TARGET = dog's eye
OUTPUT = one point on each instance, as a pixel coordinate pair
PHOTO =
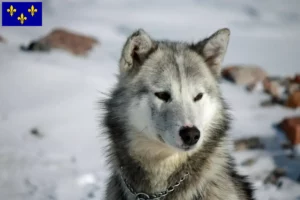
(165, 96)
(198, 97)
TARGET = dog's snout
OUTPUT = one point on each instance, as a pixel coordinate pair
(189, 135)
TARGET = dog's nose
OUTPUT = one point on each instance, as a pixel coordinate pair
(189, 135)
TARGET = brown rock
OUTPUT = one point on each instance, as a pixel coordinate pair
(72, 42)
(291, 127)
(293, 100)
(244, 74)
(296, 79)
(293, 87)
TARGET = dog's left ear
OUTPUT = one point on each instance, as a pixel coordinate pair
(213, 49)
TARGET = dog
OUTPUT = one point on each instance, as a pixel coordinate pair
(166, 123)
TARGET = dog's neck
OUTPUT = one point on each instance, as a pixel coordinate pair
(152, 166)
(149, 164)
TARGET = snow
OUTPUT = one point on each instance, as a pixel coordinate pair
(58, 93)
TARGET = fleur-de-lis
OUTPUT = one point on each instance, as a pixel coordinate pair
(32, 10)
(22, 18)
(11, 10)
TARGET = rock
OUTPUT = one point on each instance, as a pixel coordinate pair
(227, 73)
(36, 46)
(91, 195)
(293, 87)
(279, 184)
(36, 132)
(293, 100)
(250, 87)
(274, 176)
(272, 101)
(271, 87)
(283, 91)
(291, 127)
(248, 162)
(276, 86)
(296, 79)
(73, 42)
(286, 146)
(2, 39)
(298, 179)
(244, 74)
(249, 143)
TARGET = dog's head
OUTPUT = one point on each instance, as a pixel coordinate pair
(172, 88)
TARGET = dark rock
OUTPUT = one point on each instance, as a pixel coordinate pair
(36, 46)
(274, 176)
(298, 179)
(36, 132)
(249, 143)
(287, 146)
(249, 162)
(272, 101)
(2, 39)
(91, 195)
(279, 184)
(291, 155)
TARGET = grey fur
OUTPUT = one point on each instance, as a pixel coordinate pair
(147, 66)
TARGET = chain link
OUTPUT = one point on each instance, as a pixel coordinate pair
(144, 196)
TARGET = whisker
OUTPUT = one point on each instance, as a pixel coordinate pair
(104, 93)
(143, 129)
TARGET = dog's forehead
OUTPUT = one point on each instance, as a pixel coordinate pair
(175, 62)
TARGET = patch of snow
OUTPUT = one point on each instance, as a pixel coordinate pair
(86, 179)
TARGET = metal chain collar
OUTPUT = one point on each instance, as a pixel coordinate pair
(145, 196)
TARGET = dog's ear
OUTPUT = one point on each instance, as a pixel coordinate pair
(135, 51)
(213, 49)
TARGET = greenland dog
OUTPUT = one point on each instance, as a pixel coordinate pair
(166, 123)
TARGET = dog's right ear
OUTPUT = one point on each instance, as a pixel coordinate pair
(135, 51)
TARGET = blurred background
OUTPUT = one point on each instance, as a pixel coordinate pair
(52, 78)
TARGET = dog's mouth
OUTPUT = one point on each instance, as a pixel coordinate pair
(185, 147)
(180, 147)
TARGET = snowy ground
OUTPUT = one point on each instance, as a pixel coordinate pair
(57, 93)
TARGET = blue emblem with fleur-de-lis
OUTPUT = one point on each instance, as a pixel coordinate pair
(22, 14)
